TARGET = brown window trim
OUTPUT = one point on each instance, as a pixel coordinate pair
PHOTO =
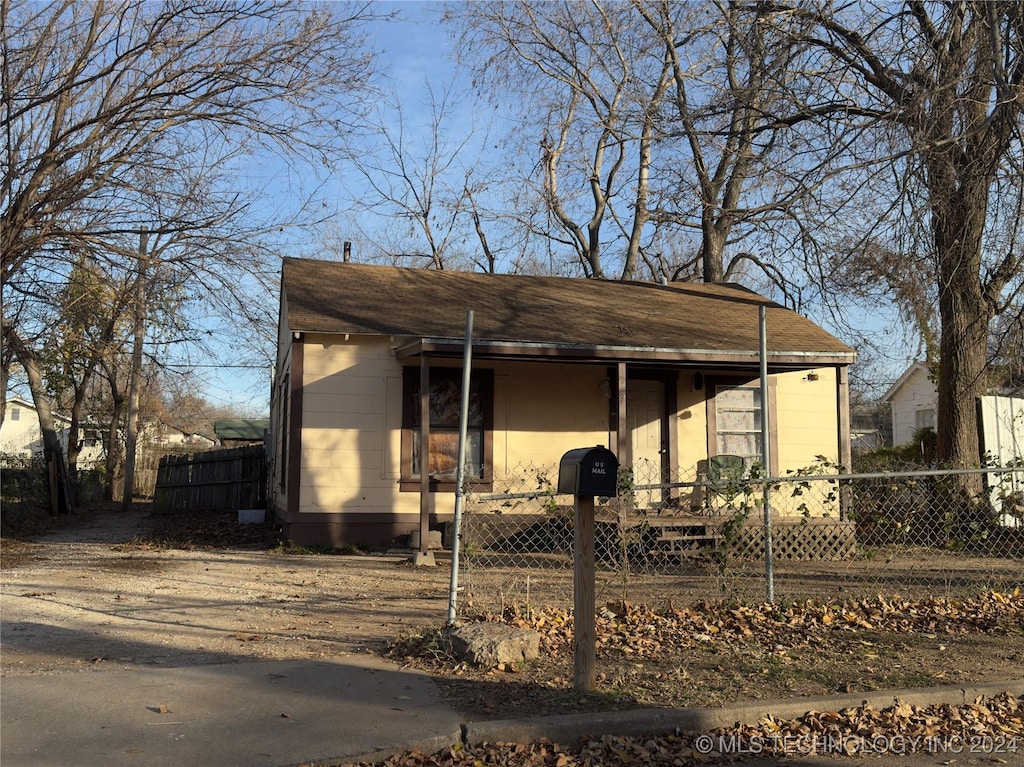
(409, 482)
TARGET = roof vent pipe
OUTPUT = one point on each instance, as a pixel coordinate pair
(346, 252)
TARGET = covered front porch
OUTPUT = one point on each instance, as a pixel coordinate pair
(684, 425)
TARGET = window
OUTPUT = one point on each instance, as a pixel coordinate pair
(738, 422)
(924, 419)
(445, 403)
(15, 413)
(734, 422)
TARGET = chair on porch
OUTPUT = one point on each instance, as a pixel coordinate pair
(719, 480)
(720, 477)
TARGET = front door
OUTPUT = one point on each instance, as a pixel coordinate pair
(645, 407)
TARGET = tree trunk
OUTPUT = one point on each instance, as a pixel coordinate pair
(113, 457)
(641, 211)
(962, 358)
(53, 452)
(75, 430)
(712, 249)
(5, 371)
(959, 194)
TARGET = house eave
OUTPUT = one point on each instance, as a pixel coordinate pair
(902, 380)
(525, 350)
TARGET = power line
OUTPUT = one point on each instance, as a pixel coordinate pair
(190, 366)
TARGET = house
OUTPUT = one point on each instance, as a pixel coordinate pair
(159, 433)
(21, 436)
(913, 401)
(665, 375)
(233, 432)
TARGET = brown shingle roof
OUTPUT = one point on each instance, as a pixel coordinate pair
(333, 297)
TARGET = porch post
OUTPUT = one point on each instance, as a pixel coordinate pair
(845, 451)
(423, 556)
(670, 458)
(625, 441)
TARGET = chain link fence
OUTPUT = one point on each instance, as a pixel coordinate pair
(704, 536)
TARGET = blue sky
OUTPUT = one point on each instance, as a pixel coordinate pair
(411, 49)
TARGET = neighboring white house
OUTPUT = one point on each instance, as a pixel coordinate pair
(914, 400)
(1001, 423)
(163, 434)
(20, 434)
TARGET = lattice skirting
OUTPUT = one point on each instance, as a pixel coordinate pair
(798, 540)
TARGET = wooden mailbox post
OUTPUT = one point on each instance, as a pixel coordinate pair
(585, 473)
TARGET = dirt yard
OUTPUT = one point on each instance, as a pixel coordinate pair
(112, 590)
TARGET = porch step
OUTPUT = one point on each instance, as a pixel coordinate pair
(676, 536)
(686, 541)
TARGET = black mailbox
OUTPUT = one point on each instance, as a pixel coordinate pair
(589, 471)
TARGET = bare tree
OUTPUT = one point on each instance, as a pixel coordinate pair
(737, 130)
(419, 178)
(106, 110)
(589, 83)
(669, 121)
(937, 91)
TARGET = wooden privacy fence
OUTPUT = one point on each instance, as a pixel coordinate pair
(233, 478)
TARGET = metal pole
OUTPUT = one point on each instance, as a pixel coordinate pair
(460, 471)
(769, 573)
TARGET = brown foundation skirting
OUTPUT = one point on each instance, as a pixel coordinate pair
(372, 530)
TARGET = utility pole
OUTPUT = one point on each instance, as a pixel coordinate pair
(131, 441)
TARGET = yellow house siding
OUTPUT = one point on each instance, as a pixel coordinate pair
(808, 426)
(347, 424)
(352, 417)
(351, 420)
(691, 426)
(807, 419)
(391, 440)
(554, 408)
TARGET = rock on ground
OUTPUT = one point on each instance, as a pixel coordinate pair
(491, 644)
